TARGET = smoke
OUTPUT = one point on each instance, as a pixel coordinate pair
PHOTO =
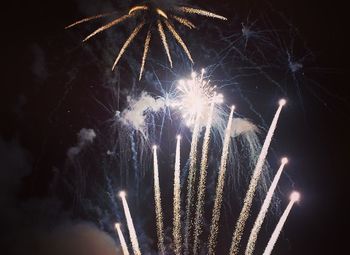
(242, 126)
(136, 113)
(85, 137)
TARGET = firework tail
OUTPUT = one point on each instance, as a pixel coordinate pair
(262, 213)
(191, 180)
(158, 202)
(131, 228)
(219, 188)
(277, 231)
(243, 216)
(121, 239)
(202, 182)
(177, 202)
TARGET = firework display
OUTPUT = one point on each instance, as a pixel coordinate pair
(219, 156)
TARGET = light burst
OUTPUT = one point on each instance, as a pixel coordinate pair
(152, 14)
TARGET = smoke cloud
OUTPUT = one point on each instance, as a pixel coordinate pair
(242, 126)
(85, 137)
(137, 110)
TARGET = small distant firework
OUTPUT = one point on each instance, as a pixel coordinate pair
(152, 14)
(294, 197)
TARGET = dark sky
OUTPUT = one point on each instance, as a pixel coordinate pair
(43, 107)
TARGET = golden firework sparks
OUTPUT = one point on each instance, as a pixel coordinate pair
(144, 12)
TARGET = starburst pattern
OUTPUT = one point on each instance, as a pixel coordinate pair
(155, 16)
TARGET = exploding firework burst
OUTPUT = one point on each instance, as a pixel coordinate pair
(155, 15)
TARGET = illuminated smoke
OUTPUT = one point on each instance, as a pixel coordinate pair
(121, 239)
(214, 227)
(85, 136)
(264, 208)
(136, 113)
(293, 198)
(202, 182)
(131, 228)
(158, 203)
(237, 235)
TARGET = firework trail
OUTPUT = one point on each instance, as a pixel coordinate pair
(177, 201)
(164, 41)
(265, 206)
(190, 10)
(121, 239)
(202, 181)
(191, 180)
(293, 198)
(158, 202)
(127, 42)
(131, 228)
(145, 52)
(237, 235)
(219, 188)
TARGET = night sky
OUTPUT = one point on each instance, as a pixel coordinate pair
(52, 85)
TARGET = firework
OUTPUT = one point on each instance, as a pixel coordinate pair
(121, 239)
(262, 213)
(220, 187)
(191, 180)
(237, 235)
(177, 202)
(202, 181)
(295, 196)
(147, 13)
(158, 203)
(131, 228)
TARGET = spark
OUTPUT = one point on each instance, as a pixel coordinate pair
(191, 180)
(202, 182)
(177, 201)
(178, 39)
(131, 228)
(127, 42)
(237, 235)
(164, 41)
(158, 202)
(220, 187)
(201, 12)
(145, 52)
(121, 239)
(194, 98)
(264, 208)
(173, 13)
(295, 196)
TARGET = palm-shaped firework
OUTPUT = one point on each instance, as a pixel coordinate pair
(153, 14)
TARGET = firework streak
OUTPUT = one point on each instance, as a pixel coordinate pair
(121, 239)
(264, 208)
(191, 180)
(219, 188)
(237, 235)
(277, 231)
(202, 181)
(177, 202)
(158, 202)
(131, 228)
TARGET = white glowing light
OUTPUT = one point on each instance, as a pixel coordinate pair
(194, 97)
(282, 102)
(122, 194)
(295, 196)
(178, 137)
(284, 160)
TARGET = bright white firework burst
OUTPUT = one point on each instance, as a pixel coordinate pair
(194, 96)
